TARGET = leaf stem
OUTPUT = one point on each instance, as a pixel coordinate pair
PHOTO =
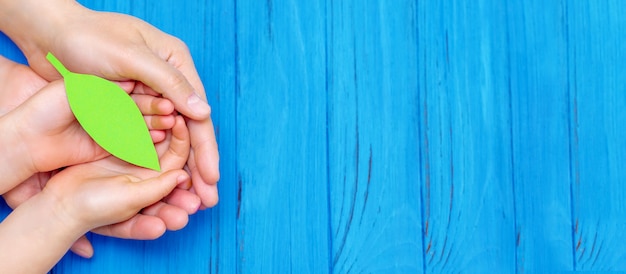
(57, 65)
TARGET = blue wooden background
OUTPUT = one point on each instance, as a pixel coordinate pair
(399, 136)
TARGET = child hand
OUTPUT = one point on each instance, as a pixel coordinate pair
(100, 199)
(107, 191)
(18, 83)
(45, 120)
(171, 213)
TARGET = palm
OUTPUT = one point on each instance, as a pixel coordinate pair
(19, 83)
(58, 138)
(46, 115)
(173, 153)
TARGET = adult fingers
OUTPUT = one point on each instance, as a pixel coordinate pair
(204, 151)
(82, 247)
(207, 192)
(183, 199)
(25, 190)
(168, 81)
(203, 161)
(174, 217)
(139, 227)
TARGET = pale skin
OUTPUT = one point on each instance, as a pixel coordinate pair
(99, 195)
(46, 136)
(121, 48)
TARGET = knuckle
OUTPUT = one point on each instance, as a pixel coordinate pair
(213, 176)
(176, 81)
(180, 45)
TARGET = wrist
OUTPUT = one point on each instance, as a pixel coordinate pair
(15, 160)
(34, 24)
(62, 214)
(35, 228)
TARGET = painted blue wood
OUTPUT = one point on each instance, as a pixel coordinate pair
(413, 136)
(537, 41)
(467, 194)
(9, 50)
(281, 137)
(374, 155)
(598, 148)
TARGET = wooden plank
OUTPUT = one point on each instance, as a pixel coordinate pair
(540, 130)
(466, 137)
(373, 137)
(281, 142)
(453, 136)
(218, 69)
(597, 102)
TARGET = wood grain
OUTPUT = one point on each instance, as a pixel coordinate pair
(597, 101)
(281, 137)
(540, 131)
(373, 137)
(398, 137)
(467, 161)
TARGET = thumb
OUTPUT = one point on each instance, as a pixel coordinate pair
(168, 81)
(152, 190)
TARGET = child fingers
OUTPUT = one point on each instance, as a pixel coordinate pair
(169, 81)
(151, 105)
(156, 122)
(173, 217)
(141, 88)
(157, 136)
(147, 192)
(127, 86)
(178, 151)
(27, 189)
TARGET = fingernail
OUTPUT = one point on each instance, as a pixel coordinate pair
(198, 105)
(85, 253)
(182, 178)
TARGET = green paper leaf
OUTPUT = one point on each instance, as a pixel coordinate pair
(109, 116)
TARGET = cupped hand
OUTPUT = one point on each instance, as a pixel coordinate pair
(121, 47)
(20, 83)
(153, 219)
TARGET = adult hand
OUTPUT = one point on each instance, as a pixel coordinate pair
(111, 205)
(120, 47)
(19, 84)
(170, 213)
